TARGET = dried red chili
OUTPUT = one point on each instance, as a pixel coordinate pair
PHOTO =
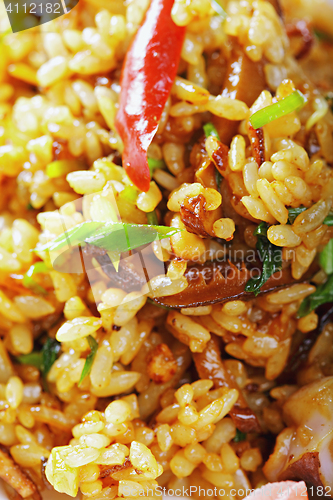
(148, 74)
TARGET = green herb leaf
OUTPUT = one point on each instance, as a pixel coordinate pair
(294, 212)
(240, 436)
(209, 130)
(154, 165)
(50, 351)
(90, 358)
(323, 295)
(44, 359)
(328, 220)
(326, 258)
(33, 358)
(271, 257)
(218, 8)
(28, 282)
(29, 206)
(152, 218)
(292, 102)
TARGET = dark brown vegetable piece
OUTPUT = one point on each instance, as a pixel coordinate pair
(209, 365)
(217, 282)
(15, 477)
(245, 81)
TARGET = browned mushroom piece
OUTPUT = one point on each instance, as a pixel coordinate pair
(209, 365)
(303, 450)
(245, 80)
(12, 474)
(216, 282)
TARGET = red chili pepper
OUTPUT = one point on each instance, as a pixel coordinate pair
(149, 71)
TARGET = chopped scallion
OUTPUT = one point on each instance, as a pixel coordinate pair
(292, 102)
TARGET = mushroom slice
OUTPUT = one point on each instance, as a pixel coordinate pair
(216, 282)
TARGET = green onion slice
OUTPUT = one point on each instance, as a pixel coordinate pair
(209, 130)
(292, 102)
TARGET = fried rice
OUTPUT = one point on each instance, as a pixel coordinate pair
(116, 382)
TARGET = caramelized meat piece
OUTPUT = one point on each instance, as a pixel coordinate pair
(195, 217)
(161, 365)
(216, 282)
(15, 477)
(209, 365)
(245, 80)
(258, 144)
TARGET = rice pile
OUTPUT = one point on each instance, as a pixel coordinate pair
(141, 420)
